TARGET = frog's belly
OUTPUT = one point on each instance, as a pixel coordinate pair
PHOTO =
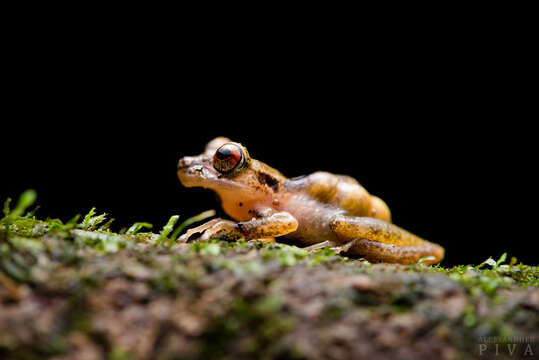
(313, 220)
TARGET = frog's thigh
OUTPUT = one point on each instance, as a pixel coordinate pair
(379, 209)
(340, 190)
(378, 240)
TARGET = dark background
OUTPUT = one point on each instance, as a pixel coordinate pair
(435, 126)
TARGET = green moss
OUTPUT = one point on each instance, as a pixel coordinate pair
(91, 221)
(167, 229)
(259, 325)
(136, 227)
(211, 247)
(490, 280)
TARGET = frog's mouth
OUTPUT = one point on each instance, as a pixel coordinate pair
(198, 171)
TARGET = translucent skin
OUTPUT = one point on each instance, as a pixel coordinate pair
(310, 209)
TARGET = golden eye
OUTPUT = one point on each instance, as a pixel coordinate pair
(227, 158)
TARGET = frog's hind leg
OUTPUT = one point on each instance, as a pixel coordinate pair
(377, 240)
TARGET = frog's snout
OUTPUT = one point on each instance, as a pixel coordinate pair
(185, 162)
(191, 170)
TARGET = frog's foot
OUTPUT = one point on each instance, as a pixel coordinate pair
(343, 248)
(213, 229)
(317, 246)
(331, 245)
(197, 230)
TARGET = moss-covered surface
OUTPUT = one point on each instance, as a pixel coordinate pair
(78, 290)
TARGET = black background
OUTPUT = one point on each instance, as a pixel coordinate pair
(436, 126)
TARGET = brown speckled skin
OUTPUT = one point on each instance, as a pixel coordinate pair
(311, 209)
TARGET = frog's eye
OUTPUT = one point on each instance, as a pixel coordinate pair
(227, 158)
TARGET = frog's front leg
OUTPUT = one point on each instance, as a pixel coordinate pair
(378, 240)
(268, 224)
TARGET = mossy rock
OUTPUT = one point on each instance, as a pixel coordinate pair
(78, 290)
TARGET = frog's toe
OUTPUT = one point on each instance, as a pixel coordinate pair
(206, 236)
(344, 247)
(183, 238)
(197, 230)
(317, 246)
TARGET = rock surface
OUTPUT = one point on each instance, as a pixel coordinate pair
(74, 291)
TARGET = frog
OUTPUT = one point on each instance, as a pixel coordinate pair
(316, 210)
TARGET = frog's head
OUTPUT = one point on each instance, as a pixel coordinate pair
(226, 166)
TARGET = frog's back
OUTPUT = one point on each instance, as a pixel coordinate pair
(342, 192)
